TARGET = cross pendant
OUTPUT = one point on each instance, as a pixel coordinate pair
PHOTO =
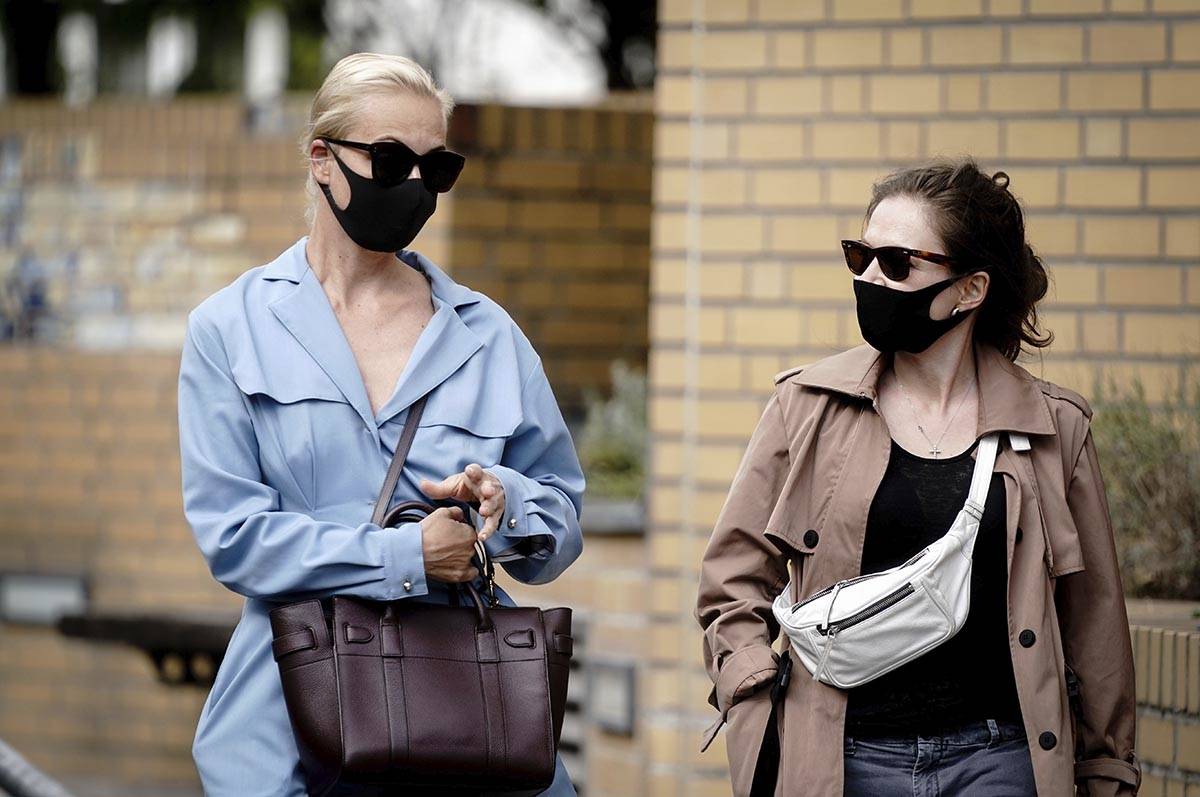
(935, 451)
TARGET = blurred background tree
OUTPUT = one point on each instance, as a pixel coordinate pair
(612, 443)
(1150, 460)
(113, 43)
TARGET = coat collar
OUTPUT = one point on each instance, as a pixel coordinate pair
(443, 346)
(1009, 397)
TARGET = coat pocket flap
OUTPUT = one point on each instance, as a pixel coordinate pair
(285, 385)
(478, 413)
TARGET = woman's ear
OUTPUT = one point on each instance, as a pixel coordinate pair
(974, 289)
(319, 160)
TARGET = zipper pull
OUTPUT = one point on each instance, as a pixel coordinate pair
(820, 668)
(829, 612)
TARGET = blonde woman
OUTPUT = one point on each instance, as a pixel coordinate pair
(295, 383)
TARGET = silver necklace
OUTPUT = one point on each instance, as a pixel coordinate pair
(933, 447)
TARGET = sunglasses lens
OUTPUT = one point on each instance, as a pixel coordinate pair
(392, 162)
(858, 256)
(893, 262)
(441, 169)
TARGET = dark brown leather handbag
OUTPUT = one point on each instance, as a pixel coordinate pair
(414, 696)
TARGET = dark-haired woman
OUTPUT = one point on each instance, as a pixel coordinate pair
(862, 459)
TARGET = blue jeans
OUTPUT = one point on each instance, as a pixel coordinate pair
(989, 758)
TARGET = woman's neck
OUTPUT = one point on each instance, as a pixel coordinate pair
(351, 275)
(936, 378)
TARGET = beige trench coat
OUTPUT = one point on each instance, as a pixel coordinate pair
(800, 497)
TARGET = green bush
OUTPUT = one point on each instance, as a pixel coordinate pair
(1150, 459)
(612, 444)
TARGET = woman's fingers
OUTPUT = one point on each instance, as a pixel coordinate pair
(473, 483)
(449, 487)
(490, 522)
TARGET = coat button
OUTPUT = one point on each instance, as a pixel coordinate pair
(1047, 740)
(1018, 534)
(1027, 638)
(811, 538)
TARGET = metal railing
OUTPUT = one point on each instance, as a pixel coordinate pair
(19, 778)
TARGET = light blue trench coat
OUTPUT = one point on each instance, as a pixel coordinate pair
(283, 459)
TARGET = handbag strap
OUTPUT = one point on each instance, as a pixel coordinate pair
(487, 569)
(981, 479)
(402, 447)
(985, 463)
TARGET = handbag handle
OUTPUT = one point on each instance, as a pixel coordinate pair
(416, 510)
(483, 617)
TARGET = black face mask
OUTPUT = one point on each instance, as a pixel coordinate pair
(378, 218)
(893, 320)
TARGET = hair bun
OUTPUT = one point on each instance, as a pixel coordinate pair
(1000, 179)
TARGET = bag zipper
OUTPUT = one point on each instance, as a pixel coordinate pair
(856, 579)
(870, 611)
(831, 588)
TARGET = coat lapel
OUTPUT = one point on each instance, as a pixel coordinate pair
(307, 314)
(442, 348)
(445, 344)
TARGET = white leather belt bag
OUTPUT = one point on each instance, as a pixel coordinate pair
(857, 629)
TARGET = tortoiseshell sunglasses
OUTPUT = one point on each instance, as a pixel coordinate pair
(893, 260)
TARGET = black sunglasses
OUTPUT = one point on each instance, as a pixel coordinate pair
(393, 161)
(893, 260)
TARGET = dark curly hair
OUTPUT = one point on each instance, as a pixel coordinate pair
(983, 228)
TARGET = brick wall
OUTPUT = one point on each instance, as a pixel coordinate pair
(553, 222)
(1168, 693)
(89, 484)
(773, 119)
(134, 212)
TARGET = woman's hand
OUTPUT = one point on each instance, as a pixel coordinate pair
(473, 484)
(447, 545)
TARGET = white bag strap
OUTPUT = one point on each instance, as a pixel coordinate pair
(985, 460)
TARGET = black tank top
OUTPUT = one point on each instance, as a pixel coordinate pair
(970, 676)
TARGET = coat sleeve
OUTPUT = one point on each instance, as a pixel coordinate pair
(250, 545)
(1095, 631)
(543, 490)
(742, 572)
